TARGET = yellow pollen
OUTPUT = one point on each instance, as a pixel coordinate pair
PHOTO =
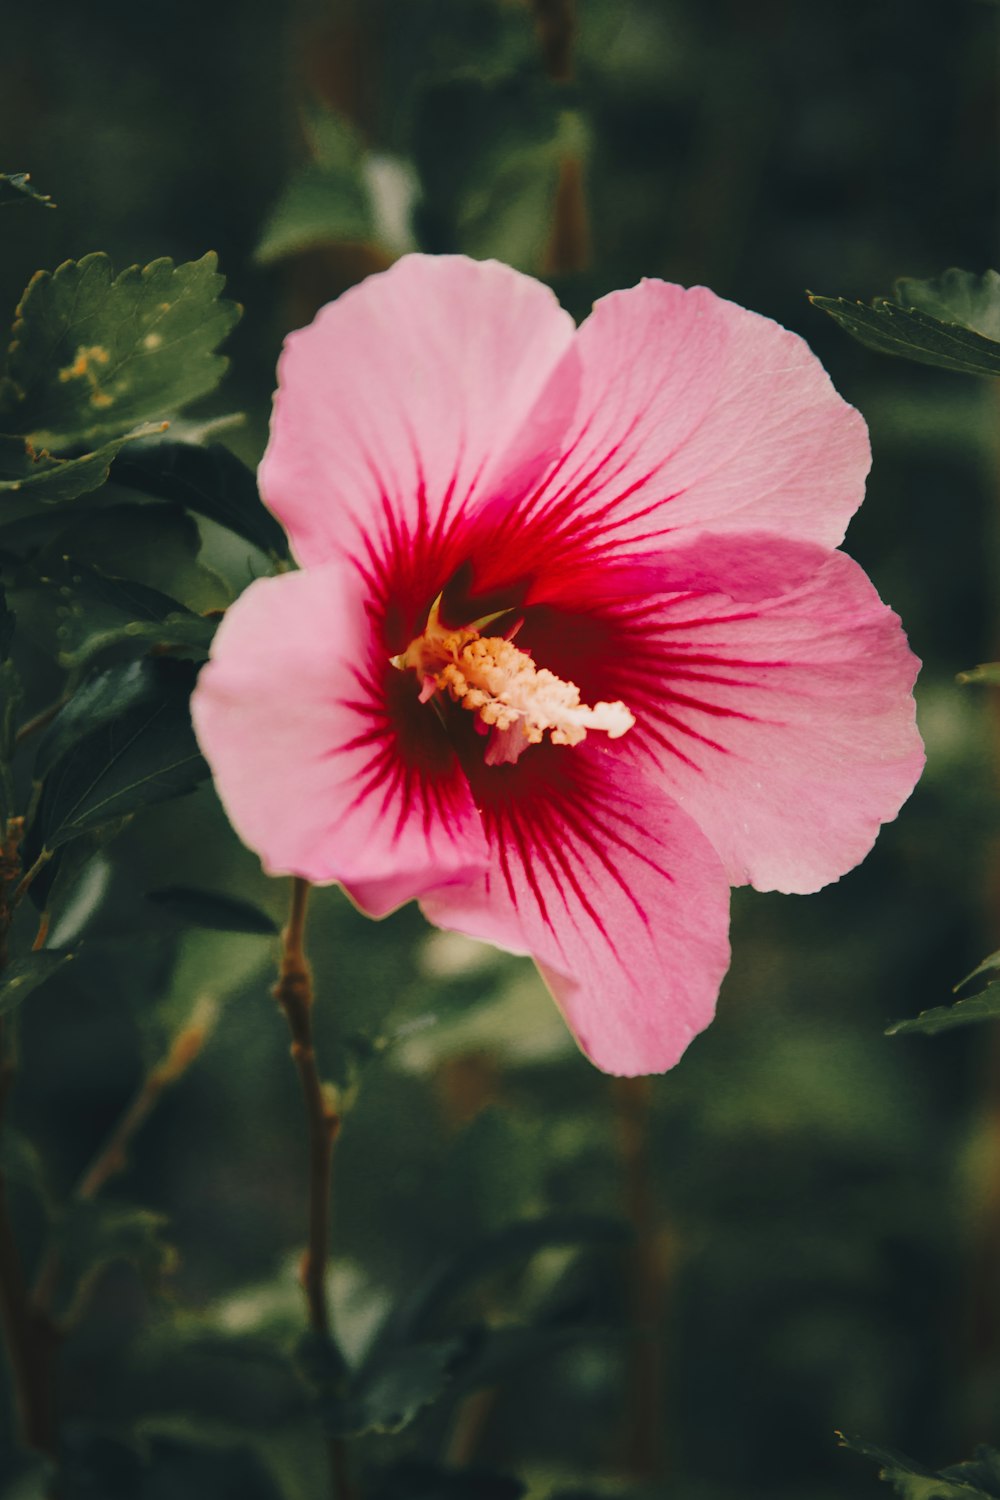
(493, 678)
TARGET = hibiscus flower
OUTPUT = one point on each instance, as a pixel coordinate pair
(571, 650)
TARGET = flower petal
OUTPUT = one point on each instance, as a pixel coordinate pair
(397, 404)
(612, 890)
(784, 727)
(693, 415)
(325, 763)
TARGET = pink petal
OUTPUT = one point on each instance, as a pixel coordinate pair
(404, 400)
(612, 890)
(324, 760)
(784, 727)
(693, 415)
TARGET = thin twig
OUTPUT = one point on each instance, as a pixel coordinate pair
(294, 995)
(112, 1157)
(27, 879)
(40, 721)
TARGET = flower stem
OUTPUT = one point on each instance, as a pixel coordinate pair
(294, 994)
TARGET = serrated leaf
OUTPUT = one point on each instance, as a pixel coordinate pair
(15, 187)
(24, 975)
(988, 966)
(38, 476)
(144, 752)
(956, 297)
(209, 480)
(327, 201)
(391, 1391)
(94, 355)
(988, 673)
(912, 1481)
(910, 333)
(214, 910)
(982, 1007)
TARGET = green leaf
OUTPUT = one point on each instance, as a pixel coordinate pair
(513, 1244)
(500, 1352)
(94, 355)
(392, 1390)
(982, 1007)
(988, 966)
(209, 480)
(213, 910)
(23, 975)
(988, 673)
(89, 611)
(91, 1234)
(21, 1165)
(913, 1482)
(15, 187)
(488, 153)
(39, 476)
(327, 201)
(157, 545)
(128, 745)
(912, 333)
(956, 297)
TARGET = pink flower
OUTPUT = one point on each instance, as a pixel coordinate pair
(571, 650)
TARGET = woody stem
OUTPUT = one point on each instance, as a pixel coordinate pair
(294, 995)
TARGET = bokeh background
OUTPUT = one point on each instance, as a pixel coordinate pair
(818, 1206)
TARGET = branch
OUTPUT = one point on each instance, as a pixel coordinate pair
(294, 995)
(112, 1157)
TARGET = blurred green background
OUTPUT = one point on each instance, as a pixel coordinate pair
(819, 1205)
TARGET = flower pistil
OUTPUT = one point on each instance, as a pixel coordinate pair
(519, 701)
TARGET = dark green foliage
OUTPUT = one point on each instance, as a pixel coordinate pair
(212, 909)
(24, 975)
(394, 1387)
(327, 201)
(984, 1007)
(816, 1199)
(16, 187)
(488, 153)
(978, 1479)
(127, 744)
(89, 1235)
(953, 322)
(210, 480)
(91, 612)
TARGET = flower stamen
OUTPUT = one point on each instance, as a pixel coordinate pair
(519, 701)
